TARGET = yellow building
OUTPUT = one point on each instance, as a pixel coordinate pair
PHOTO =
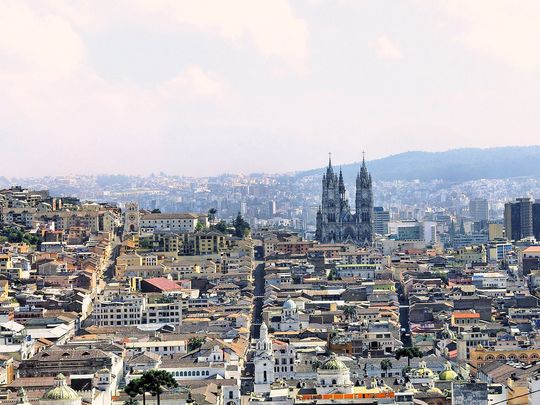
(481, 356)
(5, 262)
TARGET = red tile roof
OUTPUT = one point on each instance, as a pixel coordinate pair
(163, 284)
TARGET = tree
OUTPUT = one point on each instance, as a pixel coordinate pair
(386, 365)
(409, 352)
(135, 387)
(350, 312)
(156, 211)
(194, 343)
(212, 215)
(199, 227)
(221, 226)
(131, 401)
(241, 227)
(157, 381)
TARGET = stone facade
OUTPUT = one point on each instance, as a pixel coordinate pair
(335, 221)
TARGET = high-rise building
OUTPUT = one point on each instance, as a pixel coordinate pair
(271, 208)
(381, 218)
(335, 221)
(522, 219)
(478, 209)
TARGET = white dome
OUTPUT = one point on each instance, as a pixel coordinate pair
(289, 304)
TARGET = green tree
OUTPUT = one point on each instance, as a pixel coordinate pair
(131, 401)
(135, 387)
(212, 215)
(315, 364)
(199, 227)
(194, 343)
(157, 381)
(386, 365)
(350, 312)
(241, 227)
(156, 211)
(146, 243)
(409, 352)
(221, 226)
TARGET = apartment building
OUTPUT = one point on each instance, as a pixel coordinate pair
(175, 222)
(122, 310)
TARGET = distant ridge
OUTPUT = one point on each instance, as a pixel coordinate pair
(453, 165)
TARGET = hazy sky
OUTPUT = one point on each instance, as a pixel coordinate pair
(203, 87)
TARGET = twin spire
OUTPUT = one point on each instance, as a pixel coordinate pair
(363, 175)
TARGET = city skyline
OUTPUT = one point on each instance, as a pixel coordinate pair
(201, 88)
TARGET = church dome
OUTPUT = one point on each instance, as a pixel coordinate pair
(448, 374)
(289, 304)
(435, 390)
(61, 391)
(423, 371)
(333, 363)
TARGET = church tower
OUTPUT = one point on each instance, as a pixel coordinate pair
(264, 361)
(131, 218)
(335, 222)
(364, 205)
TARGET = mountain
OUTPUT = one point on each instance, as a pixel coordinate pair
(454, 165)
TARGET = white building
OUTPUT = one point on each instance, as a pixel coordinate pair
(263, 361)
(174, 222)
(361, 271)
(129, 310)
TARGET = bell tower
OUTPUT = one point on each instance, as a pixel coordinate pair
(132, 218)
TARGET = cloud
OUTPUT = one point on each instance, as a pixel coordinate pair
(196, 82)
(268, 26)
(37, 42)
(56, 104)
(387, 49)
(508, 30)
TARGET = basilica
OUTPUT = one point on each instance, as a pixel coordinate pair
(335, 221)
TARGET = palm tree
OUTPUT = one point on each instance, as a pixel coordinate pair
(157, 381)
(386, 364)
(135, 387)
(350, 312)
(409, 352)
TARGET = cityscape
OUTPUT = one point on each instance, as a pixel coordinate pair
(267, 202)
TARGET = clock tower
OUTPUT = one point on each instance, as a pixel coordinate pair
(131, 218)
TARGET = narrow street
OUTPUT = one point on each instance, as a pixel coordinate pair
(109, 271)
(258, 300)
(405, 336)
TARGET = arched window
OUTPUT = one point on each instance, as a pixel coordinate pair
(334, 382)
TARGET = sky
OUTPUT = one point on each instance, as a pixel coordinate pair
(211, 86)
